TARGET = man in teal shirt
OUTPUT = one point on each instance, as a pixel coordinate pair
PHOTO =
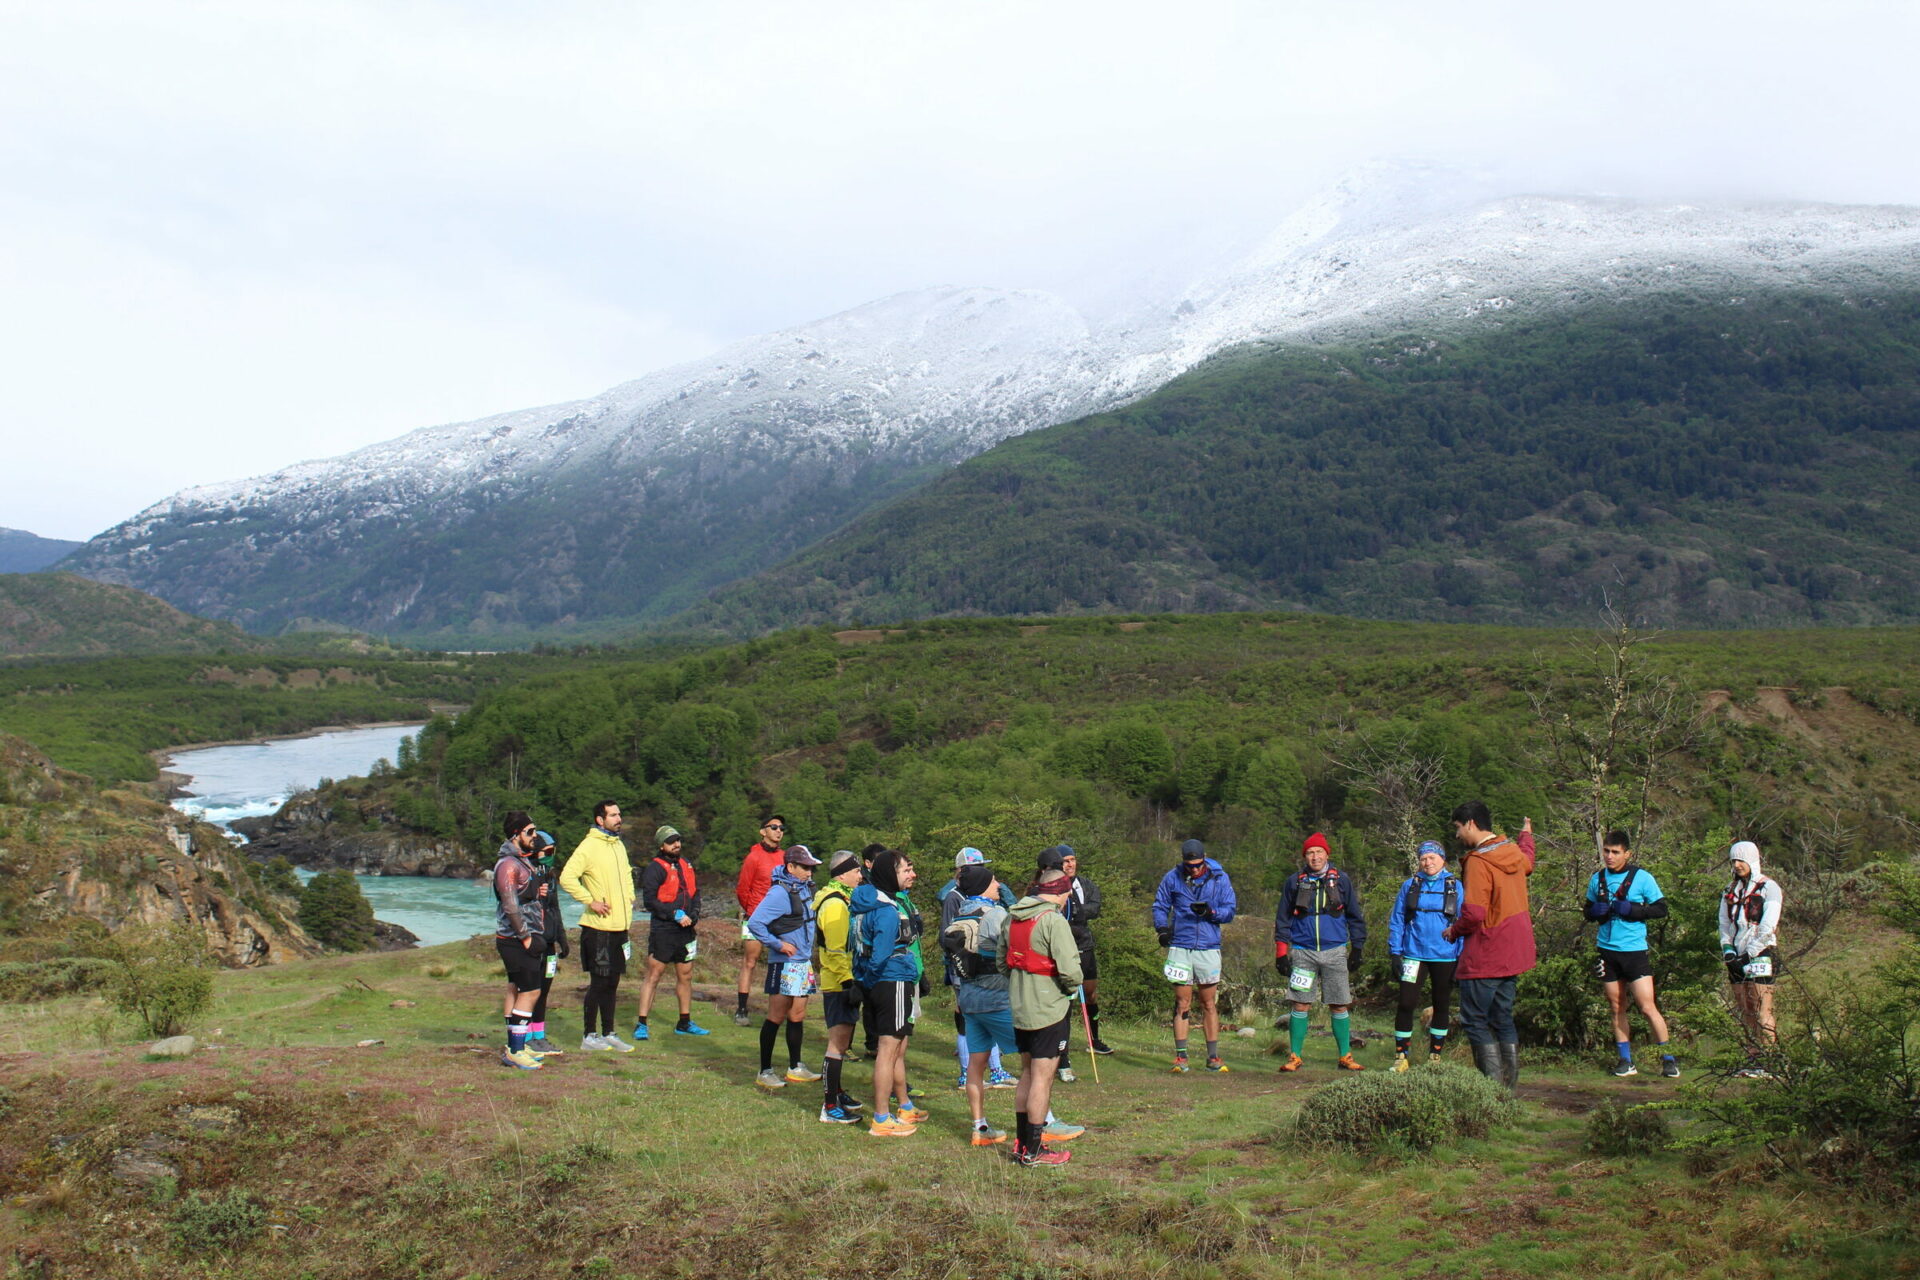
(1622, 897)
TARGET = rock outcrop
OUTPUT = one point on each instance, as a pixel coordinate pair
(309, 831)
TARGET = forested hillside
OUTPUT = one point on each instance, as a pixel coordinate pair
(62, 613)
(1746, 463)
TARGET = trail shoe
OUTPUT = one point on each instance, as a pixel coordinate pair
(914, 1095)
(800, 1073)
(1348, 1063)
(614, 1042)
(593, 1044)
(999, 1079)
(1625, 1069)
(1101, 1047)
(770, 1079)
(522, 1060)
(640, 1031)
(1061, 1131)
(1293, 1063)
(837, 1115)
(911, 1115)
(847, 1102)
(1669, 1068)
(988, 1137)
(692, 1029)
(889, 1129)
(1433, 1055)
(1065, 1075)
(1040, 1159)
(541, 1047)
(1214, 1064)
(1180, 1066)
(1400, 1062)
(961, 1083)
(741, 1019)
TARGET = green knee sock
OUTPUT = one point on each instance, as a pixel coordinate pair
(1297, 1033)
(1342, 1034)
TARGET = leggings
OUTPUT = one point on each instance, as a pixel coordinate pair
(1441, 971)
(601, 990)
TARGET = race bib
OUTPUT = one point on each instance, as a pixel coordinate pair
(746, 934)
(626, 950)
(1409, 970)
(1300, 980)
(1181, 975)
(553, 966)
(693, 949)
(1760, 967)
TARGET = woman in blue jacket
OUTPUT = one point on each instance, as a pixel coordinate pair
(1194, 899)
(783, 925)
(1426, 905)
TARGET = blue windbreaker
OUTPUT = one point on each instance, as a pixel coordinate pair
(1421, 939)
(882, 954)
(788, 895)
(1316, 928)
(1174, 900)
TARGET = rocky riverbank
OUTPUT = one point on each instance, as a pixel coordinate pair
(309, 831)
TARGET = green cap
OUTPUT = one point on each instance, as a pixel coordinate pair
(662, 836)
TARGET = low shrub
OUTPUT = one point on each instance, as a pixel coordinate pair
(47, 979)
(204, 1223)
(1419, 1109)
(1617, 1128)
(162, 976)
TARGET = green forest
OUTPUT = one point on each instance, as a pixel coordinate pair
(1751, 463)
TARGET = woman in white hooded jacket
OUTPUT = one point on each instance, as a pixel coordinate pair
(1749, 942)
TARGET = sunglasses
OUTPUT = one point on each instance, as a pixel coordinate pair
(774, 826)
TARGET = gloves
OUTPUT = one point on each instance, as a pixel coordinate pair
(1353, 957)
(1280, 948)
(1165, 934)
(1202, 911)
(926, 988)
(1729, 954)
(1622, 909)
(1598, 909)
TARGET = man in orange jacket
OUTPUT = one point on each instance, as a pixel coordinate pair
(1498, 928)
(756, 877)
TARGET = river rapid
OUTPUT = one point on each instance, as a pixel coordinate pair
(254, 779)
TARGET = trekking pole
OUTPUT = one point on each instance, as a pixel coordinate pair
(1086, 1021)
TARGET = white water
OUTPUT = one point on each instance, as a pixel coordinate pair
(254, 779)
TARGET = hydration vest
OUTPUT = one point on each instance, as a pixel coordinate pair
(1627, 874)
(799, 911)
(1020, 952)
(1449, 898)
(1308, 901)
(682, 875)
(862, 941)
(1753, 903)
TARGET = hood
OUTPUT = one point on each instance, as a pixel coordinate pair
(1029, 907)
(512, 850)
(1503, 855)
(864, 899)
(1748, 852)
(782, 876)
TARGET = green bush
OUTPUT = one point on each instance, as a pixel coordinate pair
(278, 877)
(1617, 1128)
(47, 979)
(163, 976)
(205, 1223)
(1419, 1109)
(336, 913)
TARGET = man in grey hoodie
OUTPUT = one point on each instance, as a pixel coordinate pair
(1042, 963)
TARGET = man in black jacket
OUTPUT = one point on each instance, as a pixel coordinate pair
(671, 894)
(1082, 909)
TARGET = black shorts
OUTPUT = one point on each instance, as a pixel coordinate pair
(1623, 966)
(601, 952)
(667, 943)
(841, 1008)
(1737, 970)
(1047, 1042)
(893, 1007)
(526, 967)
(1089, 966)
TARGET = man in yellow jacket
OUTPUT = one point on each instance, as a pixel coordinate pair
(839, 992)
(600, 878)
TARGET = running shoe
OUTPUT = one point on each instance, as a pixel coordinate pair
(1669, 1068)
(999, 1079)
(770, 1079)
(1400, 1062)
(1061, 1131)
(1293, 1063)
(1347, 1063)
(988, 1137)
(640, 1031)
(522, 1060)
(1040, 1159)
(1101, 1047)
(912, 1115)
(1625, 1069)
(847, 1102)
(1216, 1065)
(1433, 1054)
(593, 1043)
(541, 1047)
(914, 1095)
(1180, 1066)
(612, 1041)
(692, 1029)
(800, 1074)
(837, 1115)
(889, 1129)
(741, 1019)
(1065, 1075)
(961, 1083)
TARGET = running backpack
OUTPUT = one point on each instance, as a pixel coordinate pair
(961, 941)
(1626, 882)
(798, 912)
(1020, 952)
(862, 939)
(1449, 899)
(1307, 902)
(1753, 903)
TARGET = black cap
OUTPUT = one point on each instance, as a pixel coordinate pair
(1055, 858)
(1191, 850)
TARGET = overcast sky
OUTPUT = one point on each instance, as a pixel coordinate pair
(238, 235)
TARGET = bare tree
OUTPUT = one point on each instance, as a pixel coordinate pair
(1400, 783)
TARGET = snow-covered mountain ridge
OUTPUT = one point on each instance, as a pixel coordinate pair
(805, 428)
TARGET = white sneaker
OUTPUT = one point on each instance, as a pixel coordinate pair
(770, 1079)
(612, 1041)
(1065, 1075)
(592, 1043)
(801, 1075)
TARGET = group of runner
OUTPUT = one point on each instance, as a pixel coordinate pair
(1018, 959)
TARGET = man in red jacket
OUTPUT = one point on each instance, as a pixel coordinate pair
(756, 877)
(1498, 928)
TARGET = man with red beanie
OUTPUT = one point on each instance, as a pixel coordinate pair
(1498, 929)
(1318, 932)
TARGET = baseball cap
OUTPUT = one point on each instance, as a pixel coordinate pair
(662, 835)
(800, 856)
(971, 857)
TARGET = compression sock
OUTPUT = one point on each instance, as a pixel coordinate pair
(516, 1032)
(1296, 1033)
(1625, 1049)
(960, 1048)
(796, 1036)
(769, 1032)
(1180, 1046)
(1213, 1048)
(993, 1059)
(536, 1031)
(1093, 1016)
(832, 1074)
(740, 1002)
(1437, 1039)
(1028, 1139)
(1343, 1033)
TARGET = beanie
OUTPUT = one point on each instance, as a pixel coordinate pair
(1316, 841)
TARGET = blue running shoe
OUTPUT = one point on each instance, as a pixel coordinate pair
(640, 1031)
(692, 1029)
(837, 1115)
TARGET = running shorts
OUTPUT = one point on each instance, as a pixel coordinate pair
(526, 969)
(894, 1007)
(603, 951)
(1624, 966)
(1046, 1042)
(668, 943)
(841, 1008)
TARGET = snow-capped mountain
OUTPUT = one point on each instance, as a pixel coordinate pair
(633, 502)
